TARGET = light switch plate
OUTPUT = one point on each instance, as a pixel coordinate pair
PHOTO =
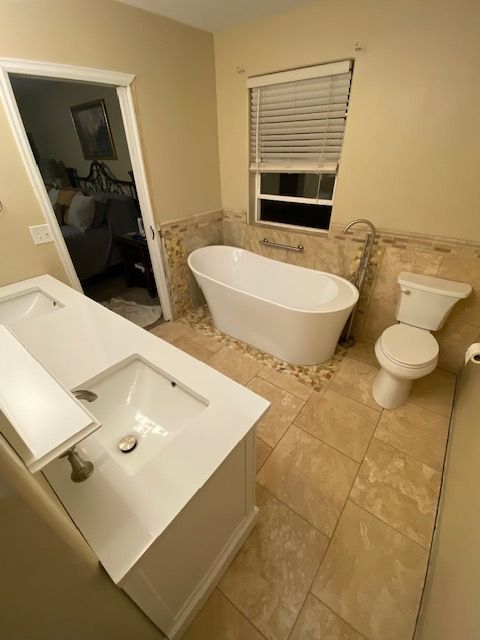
(41, 233)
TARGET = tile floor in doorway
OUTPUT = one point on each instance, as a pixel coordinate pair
(347, 495)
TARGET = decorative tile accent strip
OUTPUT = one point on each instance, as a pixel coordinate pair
(393, 252)
(337, 253)
(180, 237)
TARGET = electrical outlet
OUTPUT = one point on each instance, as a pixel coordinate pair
(41, 233)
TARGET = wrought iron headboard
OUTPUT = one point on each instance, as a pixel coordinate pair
(100, 178)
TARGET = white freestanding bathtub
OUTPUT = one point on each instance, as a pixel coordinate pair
(293, 313)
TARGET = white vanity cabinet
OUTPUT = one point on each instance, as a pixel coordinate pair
(175, 575)
(167, 517)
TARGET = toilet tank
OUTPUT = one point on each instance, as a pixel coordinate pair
(425, 301)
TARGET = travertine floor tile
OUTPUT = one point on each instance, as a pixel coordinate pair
(270, 577)
(399, 490)
(195, 350)
(235, 365)
(354, 379)
(263, 451)
(286, 381)
(339, 421)
(364, 352)
(209, 342)
(318, 622)
(219, 620)
(372, 576)
(435, 391)
(310, 477)
(283, 410)
(417, 431)
(170, 331)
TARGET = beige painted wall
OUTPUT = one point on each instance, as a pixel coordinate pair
(45, 111)
(449, 609)
(175, 94)
(50, 591)
(410, 160)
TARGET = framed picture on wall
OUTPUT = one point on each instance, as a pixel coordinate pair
(93, 130)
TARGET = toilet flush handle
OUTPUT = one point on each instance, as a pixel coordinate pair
(406, 292)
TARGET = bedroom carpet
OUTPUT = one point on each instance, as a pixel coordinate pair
(140, 314)
(113, 285)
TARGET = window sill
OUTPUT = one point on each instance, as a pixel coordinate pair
(272, 226)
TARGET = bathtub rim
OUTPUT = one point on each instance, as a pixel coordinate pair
(351, 286)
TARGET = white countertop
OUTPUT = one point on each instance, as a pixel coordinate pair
(46, 421)
(120, 515)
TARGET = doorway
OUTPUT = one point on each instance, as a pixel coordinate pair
(79, 140)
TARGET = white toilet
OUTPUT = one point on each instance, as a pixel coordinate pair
(407, 351)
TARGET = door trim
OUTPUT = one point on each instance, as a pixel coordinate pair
(123, 84)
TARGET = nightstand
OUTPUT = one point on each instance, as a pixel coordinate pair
(136, 262)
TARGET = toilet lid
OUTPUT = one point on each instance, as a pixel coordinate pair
(409, 345)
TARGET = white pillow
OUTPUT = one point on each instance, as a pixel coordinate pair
(81, 212)
(53, 195)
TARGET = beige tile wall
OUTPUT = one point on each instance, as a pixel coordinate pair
(180, 237)
(340, 254)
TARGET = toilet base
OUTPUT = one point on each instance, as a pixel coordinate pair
(390, 392)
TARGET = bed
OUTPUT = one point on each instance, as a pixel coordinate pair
(94, 250)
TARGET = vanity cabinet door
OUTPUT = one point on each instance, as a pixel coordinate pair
(176, 574)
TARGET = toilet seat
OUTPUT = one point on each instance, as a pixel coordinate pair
(409, 346)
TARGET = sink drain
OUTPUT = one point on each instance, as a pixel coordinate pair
(127, 444)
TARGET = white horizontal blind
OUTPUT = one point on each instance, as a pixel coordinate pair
(299, 125)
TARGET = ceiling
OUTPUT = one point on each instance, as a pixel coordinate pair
(215, 15)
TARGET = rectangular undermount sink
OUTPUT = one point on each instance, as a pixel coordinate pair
(32, 303)
(136, 399)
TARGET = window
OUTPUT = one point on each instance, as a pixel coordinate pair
(297, 123)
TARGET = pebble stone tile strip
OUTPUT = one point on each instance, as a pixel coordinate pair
(315, 375)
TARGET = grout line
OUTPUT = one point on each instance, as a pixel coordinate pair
(361, 634)
(343, 508)
(366, 509)
(440, 265)
(379, 409)
(348, 498)
(265, 461)
(401, 533)
(197, 342)
(327, 444)
(359, 462)
(436, 522)
(312, 526)
(285, 390)
(405, 453)
(239, 610)
(271, 446)
(413, 401)
(305, 598)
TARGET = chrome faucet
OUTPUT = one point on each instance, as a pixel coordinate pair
(81, 469)
(84, 394)
(362, 267)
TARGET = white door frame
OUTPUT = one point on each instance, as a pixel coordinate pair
(122, 82)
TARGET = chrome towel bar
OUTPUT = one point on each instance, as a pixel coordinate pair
(278, 245)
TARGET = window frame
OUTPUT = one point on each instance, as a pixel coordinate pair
(258, 196)
(255, 194)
